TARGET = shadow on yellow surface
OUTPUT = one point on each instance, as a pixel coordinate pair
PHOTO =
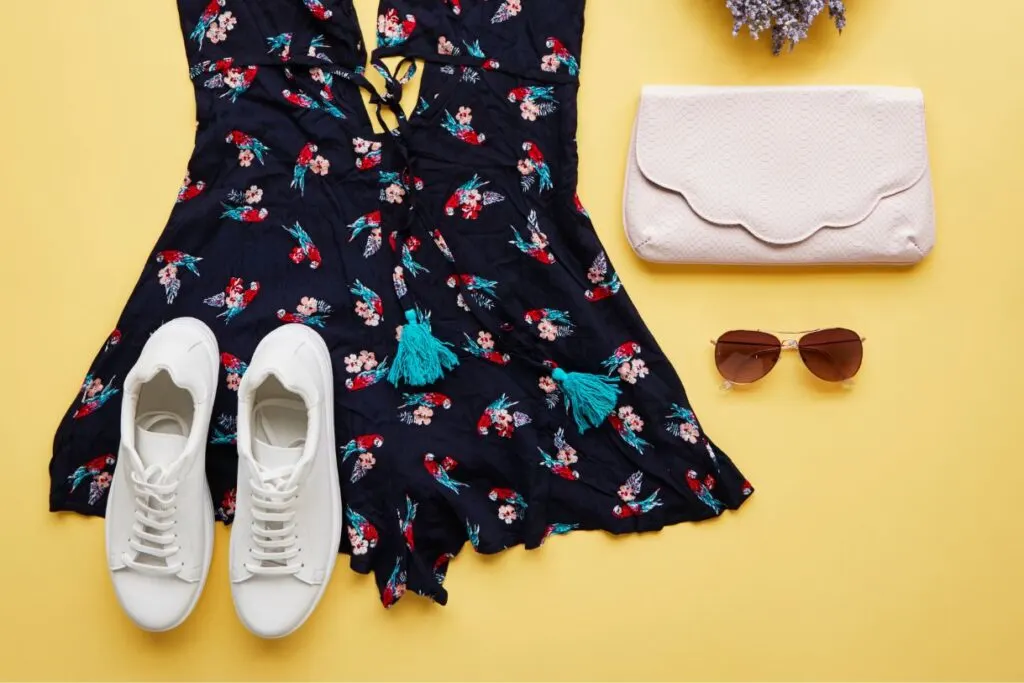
(885, 540)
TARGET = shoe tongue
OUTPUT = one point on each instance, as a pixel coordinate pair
(275, 457)
(157, 448)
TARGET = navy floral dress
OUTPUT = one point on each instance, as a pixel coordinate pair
(464, 217)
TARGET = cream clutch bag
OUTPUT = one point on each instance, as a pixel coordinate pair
(779, 176)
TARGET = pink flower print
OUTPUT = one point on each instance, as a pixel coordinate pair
(227, 21)
(254, 195)
(507, 513)
(626, 493)
(633, 420)
(525, 167)
(368, 359)
(595, 275)
(234, 79)
(307, 306)
(168, 274)
(216, 34)
(422, 415)
(567, 455)
(320, 166)
(394, 194)
(94, 387)
(547, 385)
(529, 110)
(464, 116)
(359, 545)
(689, 432)
(513, 7)
(245, 158)
(103, 480)
(484, 340)
(547, 331)
(360, 145)
(317, 74)
(444, 46)
(233, 381)
(367, 461)
(549, 63)
(353, 363)
(233, 300)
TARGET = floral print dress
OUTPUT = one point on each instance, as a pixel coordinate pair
(463, 218)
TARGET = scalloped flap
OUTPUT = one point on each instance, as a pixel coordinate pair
(784, 162)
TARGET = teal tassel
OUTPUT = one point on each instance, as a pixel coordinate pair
(590, 397)
(422, 358)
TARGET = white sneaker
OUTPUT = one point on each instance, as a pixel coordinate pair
(159, 518)
(287, 528)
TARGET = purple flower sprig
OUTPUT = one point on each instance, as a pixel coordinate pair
(788, 20)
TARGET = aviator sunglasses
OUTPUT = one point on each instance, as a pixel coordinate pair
(745, 356)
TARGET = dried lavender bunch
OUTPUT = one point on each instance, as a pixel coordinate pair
(789, 20)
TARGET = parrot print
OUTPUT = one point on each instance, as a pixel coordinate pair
(394, 589)
(551, 323)
(235, 298)
(468, 199)
(507, 10)
(281, 45)
(439, 471)
(95, 395)
(173, 262)
(628, 425)
(557, 529)
(626, 352)
(604, 285)
(561, 464)
(362, 535)
(207, 21)
(537, 246)
(629, 493)
(481, 290)
(393, 30)
(365, 459)
(95, 471)
(534, 168)
(483, 347)
(418, 409)
(190, 190)
(309, 311)
(294, 192)
(682, 423)
(225, 432)
(317, 8)
(512, 506)
(498, 417)
(560, 56)
(442, 246)
(226, 511)
(535, 101)
(473, 533)
(405, 523)
(305, 249)
(702, 489)
(235, 369)
(369, 306)
(247, 143)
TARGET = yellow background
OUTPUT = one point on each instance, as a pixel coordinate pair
(885, 539)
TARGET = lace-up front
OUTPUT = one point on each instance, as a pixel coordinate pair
(155, 489)
(278, 470)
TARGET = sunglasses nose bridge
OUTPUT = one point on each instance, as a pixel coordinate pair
(790, 345)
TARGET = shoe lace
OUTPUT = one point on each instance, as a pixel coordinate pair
(152, 538)
(274, 542)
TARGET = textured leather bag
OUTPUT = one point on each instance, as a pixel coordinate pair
(779, 176)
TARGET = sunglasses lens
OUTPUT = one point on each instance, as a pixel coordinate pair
(744, 356)
(833, 355)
